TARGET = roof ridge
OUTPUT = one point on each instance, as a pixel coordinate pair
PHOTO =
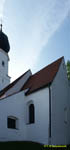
(49, 65)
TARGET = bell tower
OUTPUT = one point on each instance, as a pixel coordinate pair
(4, 59)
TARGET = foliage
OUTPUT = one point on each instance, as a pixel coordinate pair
(68, 69)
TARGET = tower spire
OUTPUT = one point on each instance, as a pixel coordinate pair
(1, 26)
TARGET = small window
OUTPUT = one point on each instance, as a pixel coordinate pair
(11, 123)
(3, 63)
(65, 115)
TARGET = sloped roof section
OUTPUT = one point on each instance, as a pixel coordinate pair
(16, 85)
(42, 78)
(31, 83)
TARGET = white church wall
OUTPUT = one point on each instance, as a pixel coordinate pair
(3, 57)
(69, 113)
(12, 106)
(16, 106)
(59, 91)
(38, 131)
(4, 81)
(4, 78)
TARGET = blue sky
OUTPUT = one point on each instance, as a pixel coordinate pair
(38, 31)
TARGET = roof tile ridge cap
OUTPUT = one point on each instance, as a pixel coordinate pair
(49, 65)
(58, 67)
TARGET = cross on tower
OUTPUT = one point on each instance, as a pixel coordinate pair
(1, 26)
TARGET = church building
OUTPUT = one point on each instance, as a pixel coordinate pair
(34, 107)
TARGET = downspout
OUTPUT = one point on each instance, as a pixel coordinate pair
(49, 114)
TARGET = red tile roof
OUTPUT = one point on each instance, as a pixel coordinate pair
(42, 78)
(37, 81)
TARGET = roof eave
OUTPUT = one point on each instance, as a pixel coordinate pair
(31, 92)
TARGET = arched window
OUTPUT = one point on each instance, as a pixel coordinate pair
(31, 113)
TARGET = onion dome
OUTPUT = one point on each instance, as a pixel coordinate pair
(4, 42)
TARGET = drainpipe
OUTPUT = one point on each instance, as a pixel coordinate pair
(49, 115)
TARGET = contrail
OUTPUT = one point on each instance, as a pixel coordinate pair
(41, 19)
(2, 2)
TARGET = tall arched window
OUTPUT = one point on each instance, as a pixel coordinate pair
(31, 113)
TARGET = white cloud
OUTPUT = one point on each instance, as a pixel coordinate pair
(41, 19)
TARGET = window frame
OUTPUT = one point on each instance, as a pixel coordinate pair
(31, 114)
(65, 115)
(14, 122)
(27, 112)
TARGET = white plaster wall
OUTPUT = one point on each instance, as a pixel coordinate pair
(12, 106)
(16, 106)
(38, 131)
(3, 57)
(59, 91)
(4, 78)
(69, 113)
(4, 81)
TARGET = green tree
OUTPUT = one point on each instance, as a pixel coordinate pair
(68, 69)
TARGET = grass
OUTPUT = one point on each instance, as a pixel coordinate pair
(25, 145)
(20, 146)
